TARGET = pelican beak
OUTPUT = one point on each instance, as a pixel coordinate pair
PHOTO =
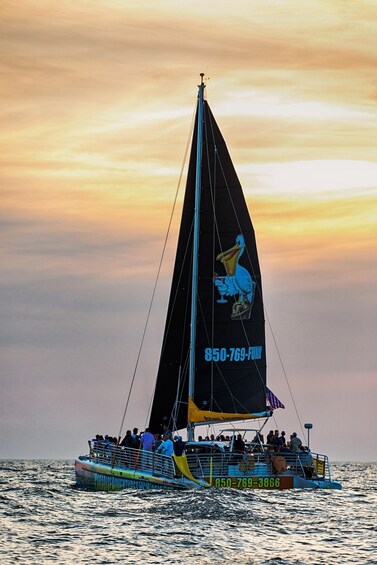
(226, 255)
(229, 258)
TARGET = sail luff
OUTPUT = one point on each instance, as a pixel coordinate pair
(194, 288)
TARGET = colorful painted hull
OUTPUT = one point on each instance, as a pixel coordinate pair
(95, 476)
(281, 482)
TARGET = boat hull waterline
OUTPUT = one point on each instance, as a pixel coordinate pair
(92, 476)
(122, 468)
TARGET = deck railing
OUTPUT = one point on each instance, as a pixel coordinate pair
(224, 464)
(303, 464)
(218, 464)
(131, 459)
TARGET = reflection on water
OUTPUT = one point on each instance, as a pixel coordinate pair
(45, 520)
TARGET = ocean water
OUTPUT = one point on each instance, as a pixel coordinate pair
(44, 519)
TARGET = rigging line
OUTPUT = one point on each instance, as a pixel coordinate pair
(234, 211)
(217, 157)
(264, 309)
(182, 362)
(240, 229)
(231, 395)
(216, 230)
(175, 407)
(178, 284)
(180, 402)
(260, 293)
(188, 296)
(285, 376)
(239, 225)
(157, 277)
(213, 270)
(174, 418)
(255, 277)
(212, 187)
(168, 322)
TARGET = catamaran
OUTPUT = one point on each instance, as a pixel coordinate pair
(212, 368)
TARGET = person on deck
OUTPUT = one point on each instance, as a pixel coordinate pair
(127, 441)
(147, 445)
(270, 437)
(167, 446)
(275, 440)
(179, 446)
(296, 443)
(135, 439)
(158, 441)
(281, 441)
(147, 440)
(239, 444)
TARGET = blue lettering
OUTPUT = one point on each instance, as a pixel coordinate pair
(233, 354)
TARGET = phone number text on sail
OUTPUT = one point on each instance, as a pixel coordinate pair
(233, 353)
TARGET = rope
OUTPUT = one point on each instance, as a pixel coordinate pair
(157, 278)
(259, 291)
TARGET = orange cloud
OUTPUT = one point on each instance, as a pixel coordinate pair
(96, 111)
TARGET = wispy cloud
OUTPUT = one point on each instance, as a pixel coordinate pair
(96, 111)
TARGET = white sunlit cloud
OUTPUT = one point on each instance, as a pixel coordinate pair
(310, 177)
(264, 104)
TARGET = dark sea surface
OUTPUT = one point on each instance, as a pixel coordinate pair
(44, 519)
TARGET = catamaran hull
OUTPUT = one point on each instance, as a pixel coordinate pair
(280, 482)
(94, 476)
(300, 482)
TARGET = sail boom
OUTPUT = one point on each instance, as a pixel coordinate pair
(197, 416)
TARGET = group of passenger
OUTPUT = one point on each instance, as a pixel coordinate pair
(213, 438)
(278, 442)
(164, 443)
(274, 441)
(167, 444)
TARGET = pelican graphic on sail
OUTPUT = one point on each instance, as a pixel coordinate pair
(237, 282)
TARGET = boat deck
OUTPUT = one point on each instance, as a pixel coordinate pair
(266, 464)
(131, 459)
(214, 467)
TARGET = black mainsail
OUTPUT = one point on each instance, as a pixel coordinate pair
(230, 359)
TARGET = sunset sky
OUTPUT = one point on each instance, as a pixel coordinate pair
(97, 100)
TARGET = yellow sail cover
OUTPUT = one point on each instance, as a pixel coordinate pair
(195, 415)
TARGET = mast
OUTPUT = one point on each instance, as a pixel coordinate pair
(194, 287)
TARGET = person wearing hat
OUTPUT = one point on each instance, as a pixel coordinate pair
(296, 443)
(178, 445)
(167, 446)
